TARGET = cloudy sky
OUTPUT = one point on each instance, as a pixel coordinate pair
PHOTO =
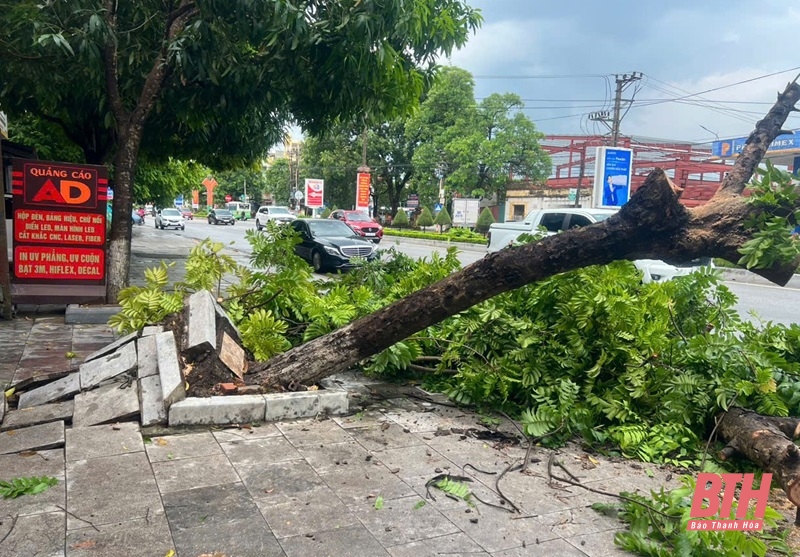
(561, 58)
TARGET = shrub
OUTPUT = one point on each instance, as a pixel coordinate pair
(443, 219)
(485, 220)
(425, 218)
(400, 219)
(326, 212)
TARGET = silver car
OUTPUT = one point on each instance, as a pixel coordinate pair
(167, 218)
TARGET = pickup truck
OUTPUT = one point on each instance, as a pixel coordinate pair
(553, 221)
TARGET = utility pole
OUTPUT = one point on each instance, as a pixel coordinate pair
(612, 121)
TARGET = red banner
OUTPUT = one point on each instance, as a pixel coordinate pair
(314, 193)
(36, 262)
(57, 227)
(362, 191)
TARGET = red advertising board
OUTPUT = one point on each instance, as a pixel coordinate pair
(314, 193)
(362, 191)
(59, 232)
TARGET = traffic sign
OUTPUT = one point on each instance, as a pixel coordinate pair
(298, 195)
(228, 198)
(437, 207)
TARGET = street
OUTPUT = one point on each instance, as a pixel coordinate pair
(770, 302)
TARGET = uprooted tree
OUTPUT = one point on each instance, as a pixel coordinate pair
(652, 225)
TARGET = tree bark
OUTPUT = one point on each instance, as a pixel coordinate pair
(653, 224)
(764, 441)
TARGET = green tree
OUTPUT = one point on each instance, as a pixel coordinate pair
(425, 218)
(400, 219)
(485, 220)
(161, 182)
(219, 78)
(443, 219)
(326, 212)
(277, 181)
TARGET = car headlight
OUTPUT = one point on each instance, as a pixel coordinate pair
(332, 251)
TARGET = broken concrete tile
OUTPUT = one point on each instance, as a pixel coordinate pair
(242, 409)
(152, 330)
(202, 324)
(169, 369)
(2, 407)
(151, 401)
(34, 415)
(111, 347)
(286, 406)
(107, 367)
(34, 438)
(106, 404)
(232, 355)
(56, 390)
(147, 357)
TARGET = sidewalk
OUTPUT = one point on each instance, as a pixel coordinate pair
(342, 486)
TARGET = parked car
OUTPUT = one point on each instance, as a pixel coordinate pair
(168, 218)
(186, 213)
(330, 244)
(137, 218)
(220, 216)
(361, 223)
(274, 213)
(554, 221)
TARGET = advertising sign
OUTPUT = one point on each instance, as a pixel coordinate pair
(612, 176)
(362, 191)
(314, 193)
(412, 201)
(59, 231)
(782, 145)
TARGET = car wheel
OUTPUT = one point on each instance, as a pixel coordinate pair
(155, 224)
(316, 261)
(183, 228)
(232, 223)
(258, 226)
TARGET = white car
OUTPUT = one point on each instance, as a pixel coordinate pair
(274, 213)
(170, 218)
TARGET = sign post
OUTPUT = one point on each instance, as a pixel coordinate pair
(362, 190)
(612, 177)
(59, 232)
(315, 189)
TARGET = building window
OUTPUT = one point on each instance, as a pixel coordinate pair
(519, 212)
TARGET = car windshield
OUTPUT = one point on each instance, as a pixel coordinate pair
(599, 217)
(329, 228)
(357, 217)
(279, 211)
(171, 213)
(222, 213)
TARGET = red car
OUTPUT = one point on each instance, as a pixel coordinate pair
(361, 223)
(186, 213)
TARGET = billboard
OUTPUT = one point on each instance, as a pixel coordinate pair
(59, 231)
(362, 191)
(612, 176)
(782, 145)
(315, 189)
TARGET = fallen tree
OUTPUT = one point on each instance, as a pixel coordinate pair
(653, 224)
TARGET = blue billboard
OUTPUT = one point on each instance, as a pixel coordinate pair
(612, 177)
(782, 145)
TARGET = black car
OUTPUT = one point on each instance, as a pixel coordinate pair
(221, 216)
(330, 244)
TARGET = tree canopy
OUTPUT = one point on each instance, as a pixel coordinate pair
(213, 80)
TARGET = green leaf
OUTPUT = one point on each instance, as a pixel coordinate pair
(26, 486)
(379, 502)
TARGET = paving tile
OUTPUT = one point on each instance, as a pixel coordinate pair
(398, 522)
(35, 415)
(384, 435)
(134, 538)
(103, 440)
(354, 541)
(413, 461)
(329, 457)
(187, 473)
(112, 346)
(55, 390)
(146, 357)
(105, 368)
(578, 521)
(495, 531)
(34, 438)
(169, 368)
(111, 489)
(190, 445)
(461, 451)
(306, 512)
(151, 401)
(35, 535)
(552, 548)
(242, 432)
(598, 544)
(267, 450)
(357, 483)
(41, 463)
(301, 433)
(220, 519)
(453, 545)
(278, 482)
(106, 404)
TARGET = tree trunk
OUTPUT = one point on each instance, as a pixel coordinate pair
(764, 441)
(653, 224)
(119, 244)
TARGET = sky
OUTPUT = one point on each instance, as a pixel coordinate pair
(561, 58)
